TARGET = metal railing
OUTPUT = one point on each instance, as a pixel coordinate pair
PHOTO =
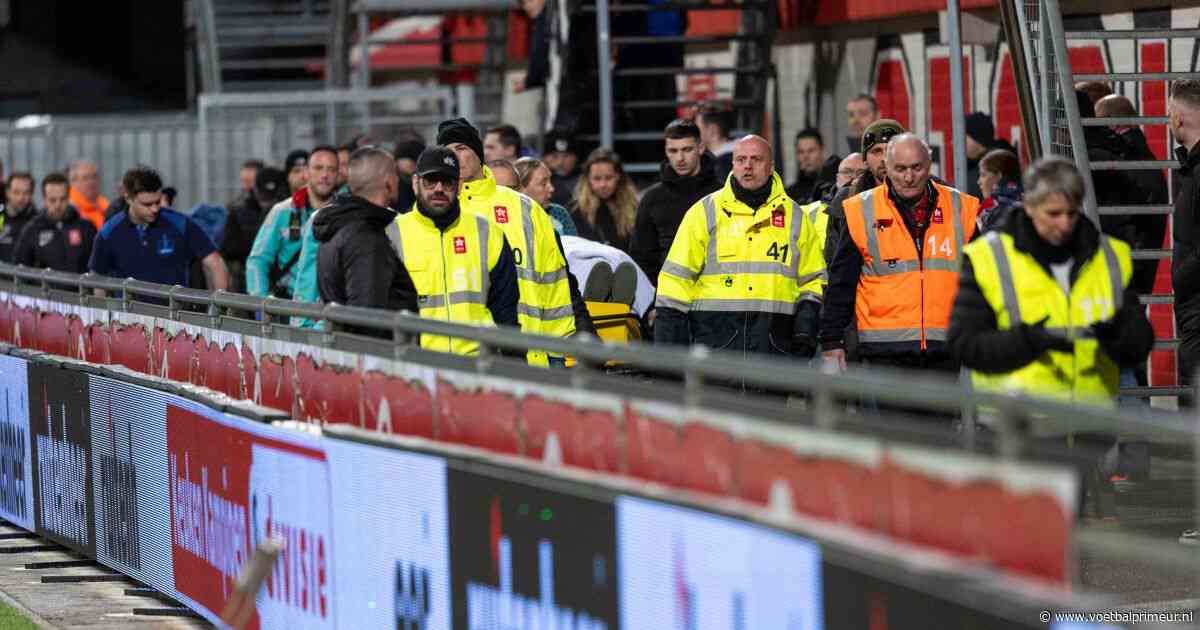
(828, 398)
(1044, 50)
(696, 365)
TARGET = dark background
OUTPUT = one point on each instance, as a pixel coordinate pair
(67, 57)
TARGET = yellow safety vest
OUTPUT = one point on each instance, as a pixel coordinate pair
(545, 302)
(1021, 291)
(730, 257)
(817, 216)
(449, 271)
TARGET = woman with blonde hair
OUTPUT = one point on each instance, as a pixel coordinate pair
(605, 203)
(533, 179)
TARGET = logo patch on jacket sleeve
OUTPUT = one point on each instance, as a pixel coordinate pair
(74, 238)
(937, 215)
(777, 217)
(460, 245)
(501, 214)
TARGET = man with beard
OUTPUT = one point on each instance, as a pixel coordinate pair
(874, 154)
(58, 238)
(685, 176)
(271, 267)
(550, 300)
(466, 271)
(15, 213)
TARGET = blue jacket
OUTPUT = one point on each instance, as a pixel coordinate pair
(276, 244)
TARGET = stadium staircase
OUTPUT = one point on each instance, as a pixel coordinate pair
(1047, 68)
(262, 45)
(752, 41)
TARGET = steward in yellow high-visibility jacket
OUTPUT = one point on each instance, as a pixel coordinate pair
(745, 272)
(460, 263)
(818, 215)
(550, 303)
(1045, 306)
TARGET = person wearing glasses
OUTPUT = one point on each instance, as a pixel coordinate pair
(895, 270)
(550, 300)
(437, 262)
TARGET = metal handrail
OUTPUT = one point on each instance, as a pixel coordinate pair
(696, 365)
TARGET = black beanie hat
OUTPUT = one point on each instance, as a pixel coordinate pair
(980, 129)
(460, 130)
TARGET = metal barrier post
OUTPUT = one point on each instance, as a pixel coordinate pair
(205, 158)
(604, 55)
(957, 115)
(1074, 125)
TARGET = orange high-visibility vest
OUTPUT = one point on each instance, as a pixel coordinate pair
(903, 300)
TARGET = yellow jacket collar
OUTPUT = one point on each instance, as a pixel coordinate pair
(484, 187)
(727, 201)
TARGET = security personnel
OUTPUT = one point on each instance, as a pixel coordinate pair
(1045, 305)
(459, 263)
(817, 215)
(57, 238)
(745, 270)
(898, 270)
(549, 298)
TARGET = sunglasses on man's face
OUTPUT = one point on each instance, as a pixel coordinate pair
(871, 138)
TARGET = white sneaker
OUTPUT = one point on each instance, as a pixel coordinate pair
(1190, 537)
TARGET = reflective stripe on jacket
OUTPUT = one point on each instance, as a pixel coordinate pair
(817, 215)
(1020, 290)
(903, 300)
(545, 306)
(449, 270)
(736, 270)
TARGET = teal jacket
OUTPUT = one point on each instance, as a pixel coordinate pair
(275, 244)
(305, 289)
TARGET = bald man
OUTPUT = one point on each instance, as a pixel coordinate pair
(356, 265)
(745, 271)
(849, 169)
(896, 265)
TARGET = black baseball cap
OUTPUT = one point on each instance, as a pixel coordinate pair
(299, 157)
(271, 182)
(438, 160)
(558, 142)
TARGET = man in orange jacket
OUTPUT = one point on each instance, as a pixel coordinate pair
(896, 265)
(85, 192)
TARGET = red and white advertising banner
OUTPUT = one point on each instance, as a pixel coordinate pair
(234, 484)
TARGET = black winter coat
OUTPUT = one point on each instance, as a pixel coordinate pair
(810, 187)
(975, 341)
(1148, 230)
(10, 231)
(1185, 263)
(60, 245)
(357, 266)
(661, 210)
(605, 229)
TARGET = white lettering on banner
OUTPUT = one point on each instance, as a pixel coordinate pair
(491, 608)
(299, 576)
(62, 473)
(12, 469)
(206, 524)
